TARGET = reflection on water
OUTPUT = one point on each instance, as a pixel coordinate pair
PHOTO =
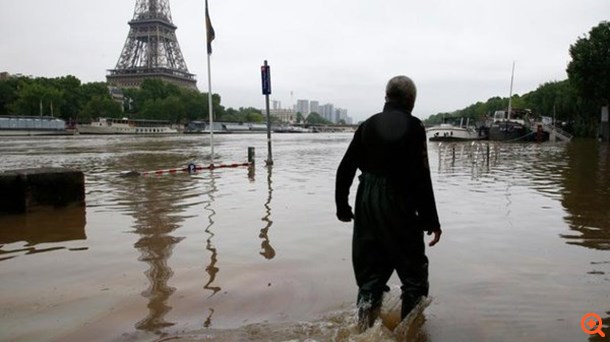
(473, 157)
(155, 222)
(153, 203)
(575, 177)
(524, 256)
(577, 174)
(208, 320)
(43, 226)
(587, 185)
(266, 249)
(211, 269)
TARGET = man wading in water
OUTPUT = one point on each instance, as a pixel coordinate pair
(394, 203)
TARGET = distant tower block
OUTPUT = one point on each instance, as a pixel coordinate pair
(151, 49)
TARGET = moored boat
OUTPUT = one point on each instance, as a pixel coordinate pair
(292, 129)
(14, 125)
(245, 127)
(126, 126)
(513, 127)
(514, 124)
(203, 127)
(451, 132)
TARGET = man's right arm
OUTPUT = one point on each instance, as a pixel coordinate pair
(345, 177)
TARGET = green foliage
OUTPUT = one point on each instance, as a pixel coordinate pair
(477, 113)
(69, 99)
(589, 77)
(37, 98)
(100, 106)
(159, 100)
(316, 119)
(242, 114)
(157, 89)
(589, 70)
(574, 101)
(8, 95)
(169, 108)
(72, 100)
(559, 99)
(556, 99)
(63, 97)
(255, 117)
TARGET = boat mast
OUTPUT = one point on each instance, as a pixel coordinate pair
(510, 95)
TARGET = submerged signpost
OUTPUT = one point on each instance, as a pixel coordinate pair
(266, 83)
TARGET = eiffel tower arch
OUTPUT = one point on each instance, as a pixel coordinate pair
(151, 49)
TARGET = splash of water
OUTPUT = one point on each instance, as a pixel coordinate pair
(338, 326)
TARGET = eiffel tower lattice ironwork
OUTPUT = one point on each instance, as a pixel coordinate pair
(151, 49)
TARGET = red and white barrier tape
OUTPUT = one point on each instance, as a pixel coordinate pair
(191, 168)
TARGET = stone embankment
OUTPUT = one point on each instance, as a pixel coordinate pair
(22, 191)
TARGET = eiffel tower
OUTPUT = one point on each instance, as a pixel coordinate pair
(151, 49)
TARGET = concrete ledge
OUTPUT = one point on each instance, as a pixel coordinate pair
(23, 190)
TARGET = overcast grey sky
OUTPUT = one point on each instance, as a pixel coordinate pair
(333, 51)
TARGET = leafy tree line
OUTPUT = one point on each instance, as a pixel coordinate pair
(63, 97)
(69, 99)
(557, 99)
(576, 100)
(312, 119)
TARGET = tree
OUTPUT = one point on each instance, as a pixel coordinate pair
(589, 74)
(158, 89)
(71, 88)
(316, 119)
(8, 94)
(558, 99)
(589, 70)
(100, 106)
(256, 117)
(478, 112)
(35, 98)
(173, 109)
(195, 105)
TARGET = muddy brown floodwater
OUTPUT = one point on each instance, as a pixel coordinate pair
(258, 255)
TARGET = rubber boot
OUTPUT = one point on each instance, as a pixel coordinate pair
(409, 302)
(369, 308)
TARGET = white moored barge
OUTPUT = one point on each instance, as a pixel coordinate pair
(126, 126)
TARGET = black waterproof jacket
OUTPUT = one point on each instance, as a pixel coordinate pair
(391, 144)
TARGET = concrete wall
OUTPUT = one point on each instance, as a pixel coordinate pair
(24, 190)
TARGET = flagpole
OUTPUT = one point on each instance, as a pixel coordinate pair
(210, 111)
(209, 32)
(510, 95)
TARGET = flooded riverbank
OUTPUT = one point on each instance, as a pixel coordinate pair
(238, 254)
